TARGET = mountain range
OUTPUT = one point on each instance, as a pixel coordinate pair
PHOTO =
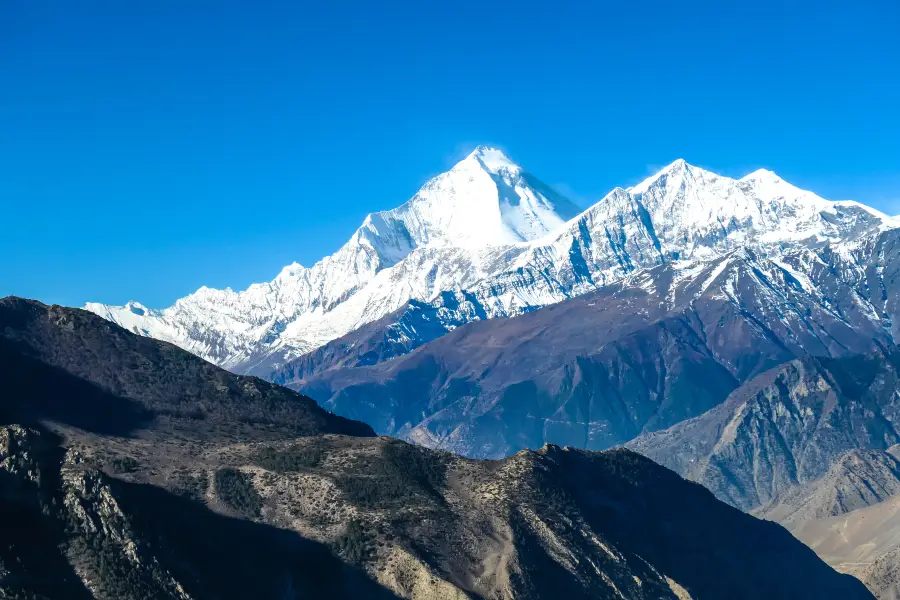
(741, 332)
(130, 469)
(487, 239)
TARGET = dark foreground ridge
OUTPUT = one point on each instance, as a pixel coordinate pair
(132, 469)
(119, 383)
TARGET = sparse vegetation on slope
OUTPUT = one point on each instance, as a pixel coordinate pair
(236, 489)
(176, 507)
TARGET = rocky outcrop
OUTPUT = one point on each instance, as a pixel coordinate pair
(785, 427)
(856, 479)
(165, 508)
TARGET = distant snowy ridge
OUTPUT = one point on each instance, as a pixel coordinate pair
(500, 241)
(456, 230)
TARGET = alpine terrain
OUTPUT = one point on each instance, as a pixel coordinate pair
(662, 345)
(742, 332)
(461, 226)
(132, 469)
(487, 239)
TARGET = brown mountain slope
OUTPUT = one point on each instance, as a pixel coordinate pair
(882, 577)
(856, 479)
(264, 496)
(785, 427)
(594, 371)
(863, 542)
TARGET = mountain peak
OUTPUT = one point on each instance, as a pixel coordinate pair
(290, 271)
(484, 200)
(761, 175)
(492, 160)
(679, 164)
(677, 168)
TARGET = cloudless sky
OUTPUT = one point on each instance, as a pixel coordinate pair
(151, 147)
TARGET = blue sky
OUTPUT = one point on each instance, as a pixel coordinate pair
(149, 148)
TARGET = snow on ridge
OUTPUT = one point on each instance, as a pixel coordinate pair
(488, 228)
(760, 174)
(494, 160)
(713, 275)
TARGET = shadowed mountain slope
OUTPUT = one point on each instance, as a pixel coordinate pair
(120, 383)
(286, 504)
(595, 371)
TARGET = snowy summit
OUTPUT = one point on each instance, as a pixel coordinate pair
(487, 239)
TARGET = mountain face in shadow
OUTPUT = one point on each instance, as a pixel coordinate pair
(596, 371)
(119, 383)
(176, 479)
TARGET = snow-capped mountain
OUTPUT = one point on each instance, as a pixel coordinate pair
(461, 226)
(682, 213)
(659, 346)
(487, 239)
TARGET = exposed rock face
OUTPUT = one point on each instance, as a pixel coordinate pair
(380, 518)
(659, 347)
(485, 240)
(78, 533)
(849, 516)
(856, 479)
(300, 509)
(785, 427)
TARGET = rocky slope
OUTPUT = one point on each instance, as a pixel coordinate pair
(119, 383)
(882, 577)
(856, 479)
(864, 542)
(658, 347)
(162, 506)
(809, 444)
(485, 240)
(785, 427)
(849, 517)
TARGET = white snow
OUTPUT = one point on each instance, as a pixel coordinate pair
(801, 278)
(713, 275)
(487, 228)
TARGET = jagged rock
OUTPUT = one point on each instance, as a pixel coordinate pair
(785, 427)
(162, 507)
(487, 239)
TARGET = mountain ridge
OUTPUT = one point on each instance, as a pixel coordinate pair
(596, 370)
(230, 487)
(542, 251)
(785, 427)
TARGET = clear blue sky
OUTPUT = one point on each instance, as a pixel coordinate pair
(149, 148)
